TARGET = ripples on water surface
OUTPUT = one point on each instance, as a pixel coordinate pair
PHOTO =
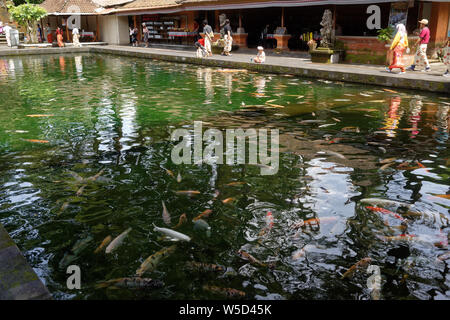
(116, 114)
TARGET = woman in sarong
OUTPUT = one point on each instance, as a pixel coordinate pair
(228, 38)
(399, 44)
(59, 37)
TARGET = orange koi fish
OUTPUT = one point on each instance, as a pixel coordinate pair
(402, 237)
(204, 214)
(39, 115)
(188, 192)
(360, 264)
(37, 141)
(389, 90)
(444, 196)
(181, 221)
(104, 243)
(247, 256)
(228, 200)
(385, 211)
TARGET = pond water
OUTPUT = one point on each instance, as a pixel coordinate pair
(85, 153)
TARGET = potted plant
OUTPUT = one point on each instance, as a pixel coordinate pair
(385, 36)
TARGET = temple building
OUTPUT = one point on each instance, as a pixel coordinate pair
(282, 25)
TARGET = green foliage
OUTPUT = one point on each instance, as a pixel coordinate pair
(386, 34)
(26, 15)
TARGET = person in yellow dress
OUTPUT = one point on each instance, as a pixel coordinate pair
(399, 45)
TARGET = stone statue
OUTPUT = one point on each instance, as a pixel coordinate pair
(222, 19)
(326, 31)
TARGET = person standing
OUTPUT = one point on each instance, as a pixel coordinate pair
(399, 44)
(49, 33)
(7, 30)
(59, 37)
(209, 36)
(134, 34)
(420, 59)
(228, 37)
(39, 34)
(76, 37)
(146, 34)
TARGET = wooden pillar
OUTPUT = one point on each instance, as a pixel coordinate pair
(438, 23)
(97, 33)
(67, 30)
(282, 17)
(240, 19)
(216, 21)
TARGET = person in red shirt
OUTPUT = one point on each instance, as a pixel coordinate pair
(201, 50)
(420, 59)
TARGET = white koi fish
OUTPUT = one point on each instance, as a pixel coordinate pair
(173, 234)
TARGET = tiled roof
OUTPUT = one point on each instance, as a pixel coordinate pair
(69, 6)
(151, 4)
(110, 3)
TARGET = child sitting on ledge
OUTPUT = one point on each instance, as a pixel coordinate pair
(260, 57)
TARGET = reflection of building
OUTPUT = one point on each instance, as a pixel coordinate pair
(176, 21)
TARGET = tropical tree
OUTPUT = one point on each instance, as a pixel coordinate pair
(26, 15)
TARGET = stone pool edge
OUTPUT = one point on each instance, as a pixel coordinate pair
(328, 72)
(18, 281)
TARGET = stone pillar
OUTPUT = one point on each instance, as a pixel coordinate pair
(282, 41)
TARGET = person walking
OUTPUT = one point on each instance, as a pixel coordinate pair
(399, 44)
(39, 34)
(209, 36)
(420, 59)
(146, 34)
(76, 37)
(7, 30)
(228, 37)
(49, 33)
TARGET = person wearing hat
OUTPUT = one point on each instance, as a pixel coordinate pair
(420, 59)
(260, 57)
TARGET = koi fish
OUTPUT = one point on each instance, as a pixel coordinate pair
(173, 234)
(104, 243)
(37, 141)
(236, 183)
(170, 173)
(444, 196)
(389, 90)
(388, 160)
(188, 192)
(80, 191)
(313, 221)
(350, 129)
(165, 214)
(269, 220)
(385, 166)
(80, 245)
(332, 153)
(152, 261)
(63, 207)
(204, 214)
(181, 221)
(95, 177)
(301, 253)
(385, 202)
(360, 264)
(179, 178)
(385, 211)
(311, 121)
(117, 241)
(274, 105)
(402, 237)
(247, 256)
(132, 283)
(336, 119)
(39, 115)
(227, 292)
(228, 200)
(205, 267)
(444, 256)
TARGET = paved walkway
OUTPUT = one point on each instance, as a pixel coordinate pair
(366, 74)
(18, 281)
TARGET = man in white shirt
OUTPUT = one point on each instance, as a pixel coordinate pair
(7, 29)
